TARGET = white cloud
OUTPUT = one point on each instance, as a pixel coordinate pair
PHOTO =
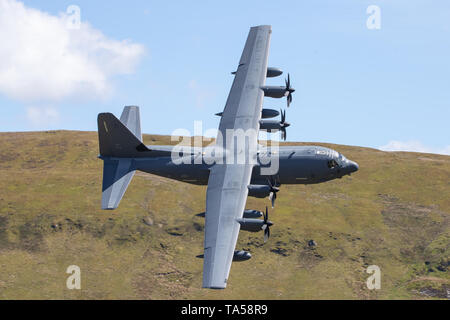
(41, 59)
(413, 146)
(42, 116)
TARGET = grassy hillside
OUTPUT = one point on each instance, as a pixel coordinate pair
(394, 213)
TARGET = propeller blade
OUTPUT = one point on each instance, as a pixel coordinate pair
(289, 90)
(266, 234)
(269, 182)
(283, 133)
(273, 199)
(289, 99)
(266, 225)
(273, 190)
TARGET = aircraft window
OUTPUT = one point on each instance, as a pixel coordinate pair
(332, 164)
(344, 159)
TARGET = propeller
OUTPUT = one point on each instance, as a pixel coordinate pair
(284, 125)
(266, 225)
(274, 188)
(289, 90)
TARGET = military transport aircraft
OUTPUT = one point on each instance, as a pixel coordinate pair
(254, 170)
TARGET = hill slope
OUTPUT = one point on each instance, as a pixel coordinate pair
(393, 213)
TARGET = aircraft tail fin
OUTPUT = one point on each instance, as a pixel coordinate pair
(120, 138)
(120, 141)
(117, 175)
(131, 118)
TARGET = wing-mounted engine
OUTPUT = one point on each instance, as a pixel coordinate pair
(241, 256)
(269, 113)
(252, 214)
(251, 225)
(274, 125)
(259, 190)
(265, 190)
(273, 72)
(248, 214)
(265, 114)
(256, 225)
(280, 91)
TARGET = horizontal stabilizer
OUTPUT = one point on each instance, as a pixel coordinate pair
(117, 175)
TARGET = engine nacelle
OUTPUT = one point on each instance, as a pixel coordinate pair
(269, 113)
(252, 214)
(265, 114)
(248, 214)
(273, 72)
(259, 191)
(241, 256)
(252, 225)
(270, 125)
(238, 256)
(274, 91)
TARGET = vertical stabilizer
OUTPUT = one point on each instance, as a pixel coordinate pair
(132, 120)
(120, 141)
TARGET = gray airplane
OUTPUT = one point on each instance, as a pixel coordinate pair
(229, 182)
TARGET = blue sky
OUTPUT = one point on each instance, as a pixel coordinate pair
(385, 88)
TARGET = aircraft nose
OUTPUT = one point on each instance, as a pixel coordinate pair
(353, 166)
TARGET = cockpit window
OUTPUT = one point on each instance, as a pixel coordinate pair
(332, 164)
(343, 158)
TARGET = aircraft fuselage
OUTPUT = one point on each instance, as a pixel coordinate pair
(297, 165)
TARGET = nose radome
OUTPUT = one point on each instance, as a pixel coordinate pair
(353, 166)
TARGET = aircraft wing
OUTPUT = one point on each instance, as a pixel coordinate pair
(227, 187)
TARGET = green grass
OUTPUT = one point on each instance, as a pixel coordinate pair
(393, 213)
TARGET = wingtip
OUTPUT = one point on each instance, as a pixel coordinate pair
(262, 26)
(214, 287)
(109, 208)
